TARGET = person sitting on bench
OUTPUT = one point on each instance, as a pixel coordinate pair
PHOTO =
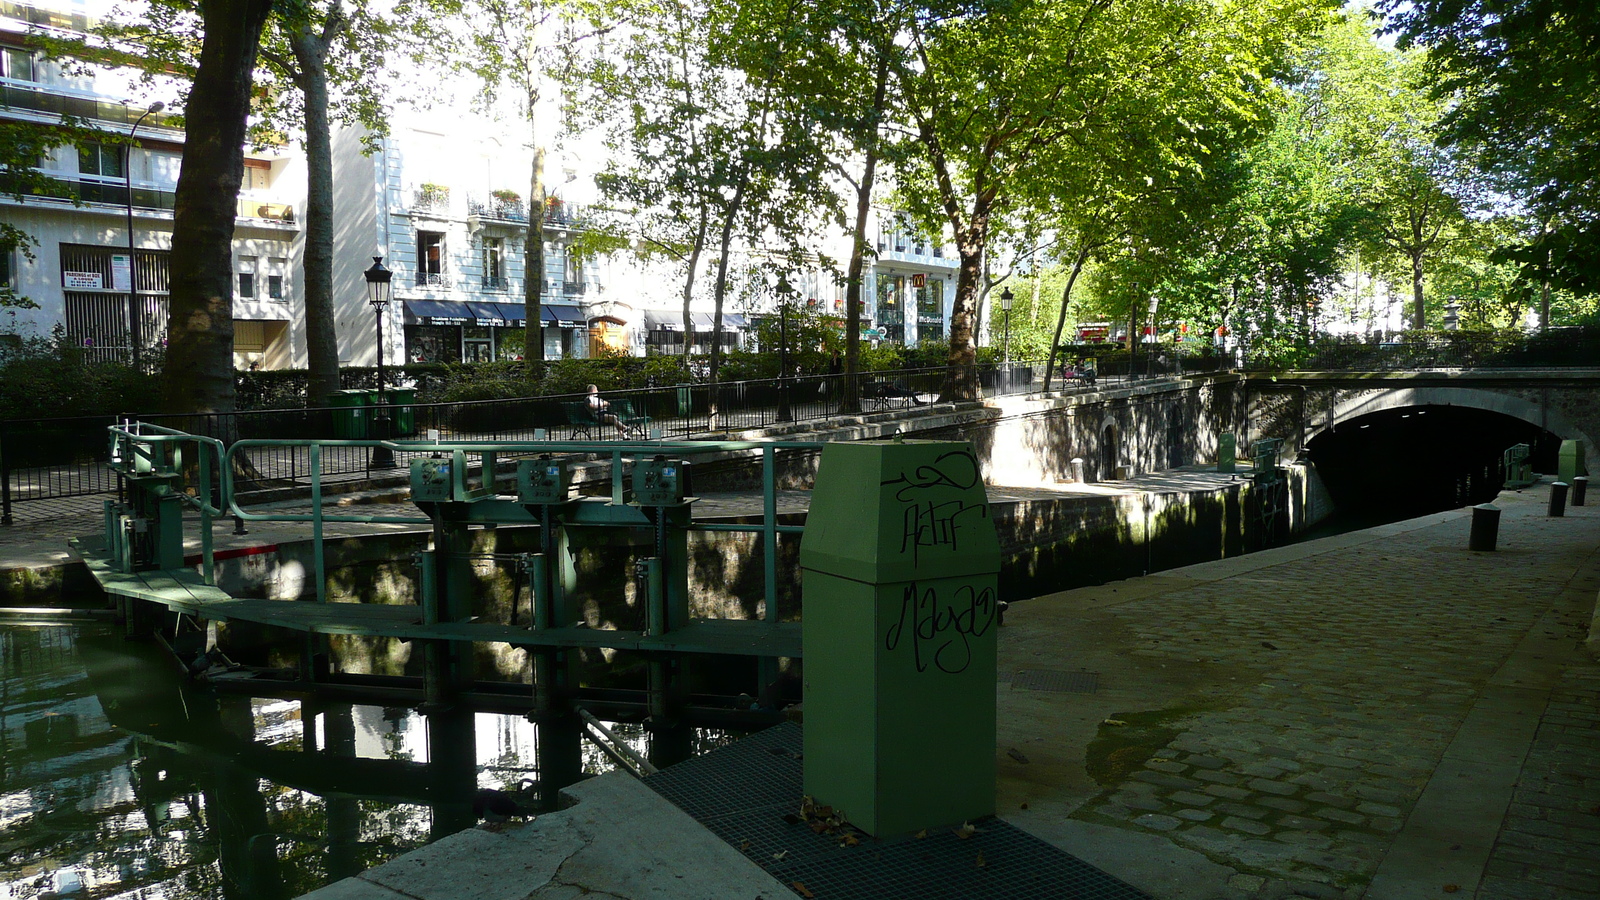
(601, 410)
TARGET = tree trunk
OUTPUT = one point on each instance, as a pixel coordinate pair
(1061, 316)
(695, 250)
(533, 253)
(1418, 318)
(322, 342)
(961, 378)
(198, 375)
(719, 290)
(853, 281)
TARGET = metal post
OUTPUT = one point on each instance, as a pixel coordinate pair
(1558, 499)
(1485, 527)
(378, 278)
(1580, 486)
(135, 326)
(784, 414)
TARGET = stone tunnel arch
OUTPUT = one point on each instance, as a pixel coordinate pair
(1350, 407)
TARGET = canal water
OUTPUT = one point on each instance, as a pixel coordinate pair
(120, 778)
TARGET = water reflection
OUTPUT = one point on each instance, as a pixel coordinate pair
(120, 778)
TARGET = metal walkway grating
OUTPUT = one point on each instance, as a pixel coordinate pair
(742, 792)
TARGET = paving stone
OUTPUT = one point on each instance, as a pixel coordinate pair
(1163, 780)
(1171, 767)
(1220, 777)
(1377, 809)
(1282, 803)
(1157, 822)
(1303, 823)
(1241, 809)
(1327, 799)
(1228, 791)
(1341, 815)
(1190, 798)
(1246, 825)
(1201, 761)
(1266, 786)
(1195, 815)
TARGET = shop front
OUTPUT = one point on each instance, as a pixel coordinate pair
(473, 331)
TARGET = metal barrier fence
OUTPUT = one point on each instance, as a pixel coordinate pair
(1558, 348)
(60, 459)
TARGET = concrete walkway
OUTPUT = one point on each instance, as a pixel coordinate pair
(1381, 714)
(618, 840)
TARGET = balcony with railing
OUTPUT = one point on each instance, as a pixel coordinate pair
(68, 188)
(498, 209)
(266, 211)
(431, 199)
(433, 279)
(53, 100)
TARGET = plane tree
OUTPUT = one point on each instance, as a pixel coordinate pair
(1003, 104)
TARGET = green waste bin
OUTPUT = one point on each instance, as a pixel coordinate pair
(403, 412)
(349, 414)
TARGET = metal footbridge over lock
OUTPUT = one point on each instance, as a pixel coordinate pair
(457, 488)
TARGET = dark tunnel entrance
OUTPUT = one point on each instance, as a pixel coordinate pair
(1402, 463)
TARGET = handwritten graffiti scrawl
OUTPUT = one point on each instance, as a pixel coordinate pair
(931, 518)
(941, 634)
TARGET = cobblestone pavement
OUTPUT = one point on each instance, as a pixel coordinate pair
(1549, 845)
(1282, 714)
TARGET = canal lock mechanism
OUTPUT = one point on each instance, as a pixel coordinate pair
(586, 612)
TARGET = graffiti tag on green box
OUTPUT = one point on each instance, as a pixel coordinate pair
(931, 519)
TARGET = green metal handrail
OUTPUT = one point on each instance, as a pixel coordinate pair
(134, 444)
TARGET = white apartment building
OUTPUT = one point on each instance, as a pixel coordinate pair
(87, 258)
(442, 201)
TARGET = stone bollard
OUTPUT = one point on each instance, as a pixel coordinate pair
(1580, 486)
(901, 563)
(1077, 469)
(1558, 499)
(1485, 527)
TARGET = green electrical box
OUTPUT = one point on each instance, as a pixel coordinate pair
(543, 481)
(660, 481)
(432, 481)
(1227, 453)
(1570, 461)
(900, 563)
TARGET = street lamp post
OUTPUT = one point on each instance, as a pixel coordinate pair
(1005, 353)
(784, 291)
(378, 295)
(1452, 315)
(135, 325)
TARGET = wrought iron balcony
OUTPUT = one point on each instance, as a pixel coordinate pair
(498, 209)
(432, 199)
(572, 288)
(433, 279)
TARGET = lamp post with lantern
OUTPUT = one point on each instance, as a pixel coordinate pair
(785, 291)
(1006, 298)
(378, 277)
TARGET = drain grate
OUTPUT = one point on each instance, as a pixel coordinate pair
(742, 792)
(1046, 680)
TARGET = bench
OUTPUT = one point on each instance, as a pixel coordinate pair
(580, 418)
(889, 395)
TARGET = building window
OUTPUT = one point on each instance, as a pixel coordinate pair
(247, 277)
(275, 287)
(98, 159)
(7, 272)
(18, 64)
(573, 274)
(494, 276)
(430, 258)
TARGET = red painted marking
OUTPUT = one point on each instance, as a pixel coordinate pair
(235, 553)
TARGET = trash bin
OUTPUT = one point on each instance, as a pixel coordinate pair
(403, 411)
(349, 414)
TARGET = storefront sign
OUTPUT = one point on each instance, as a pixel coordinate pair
(1093, 331)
